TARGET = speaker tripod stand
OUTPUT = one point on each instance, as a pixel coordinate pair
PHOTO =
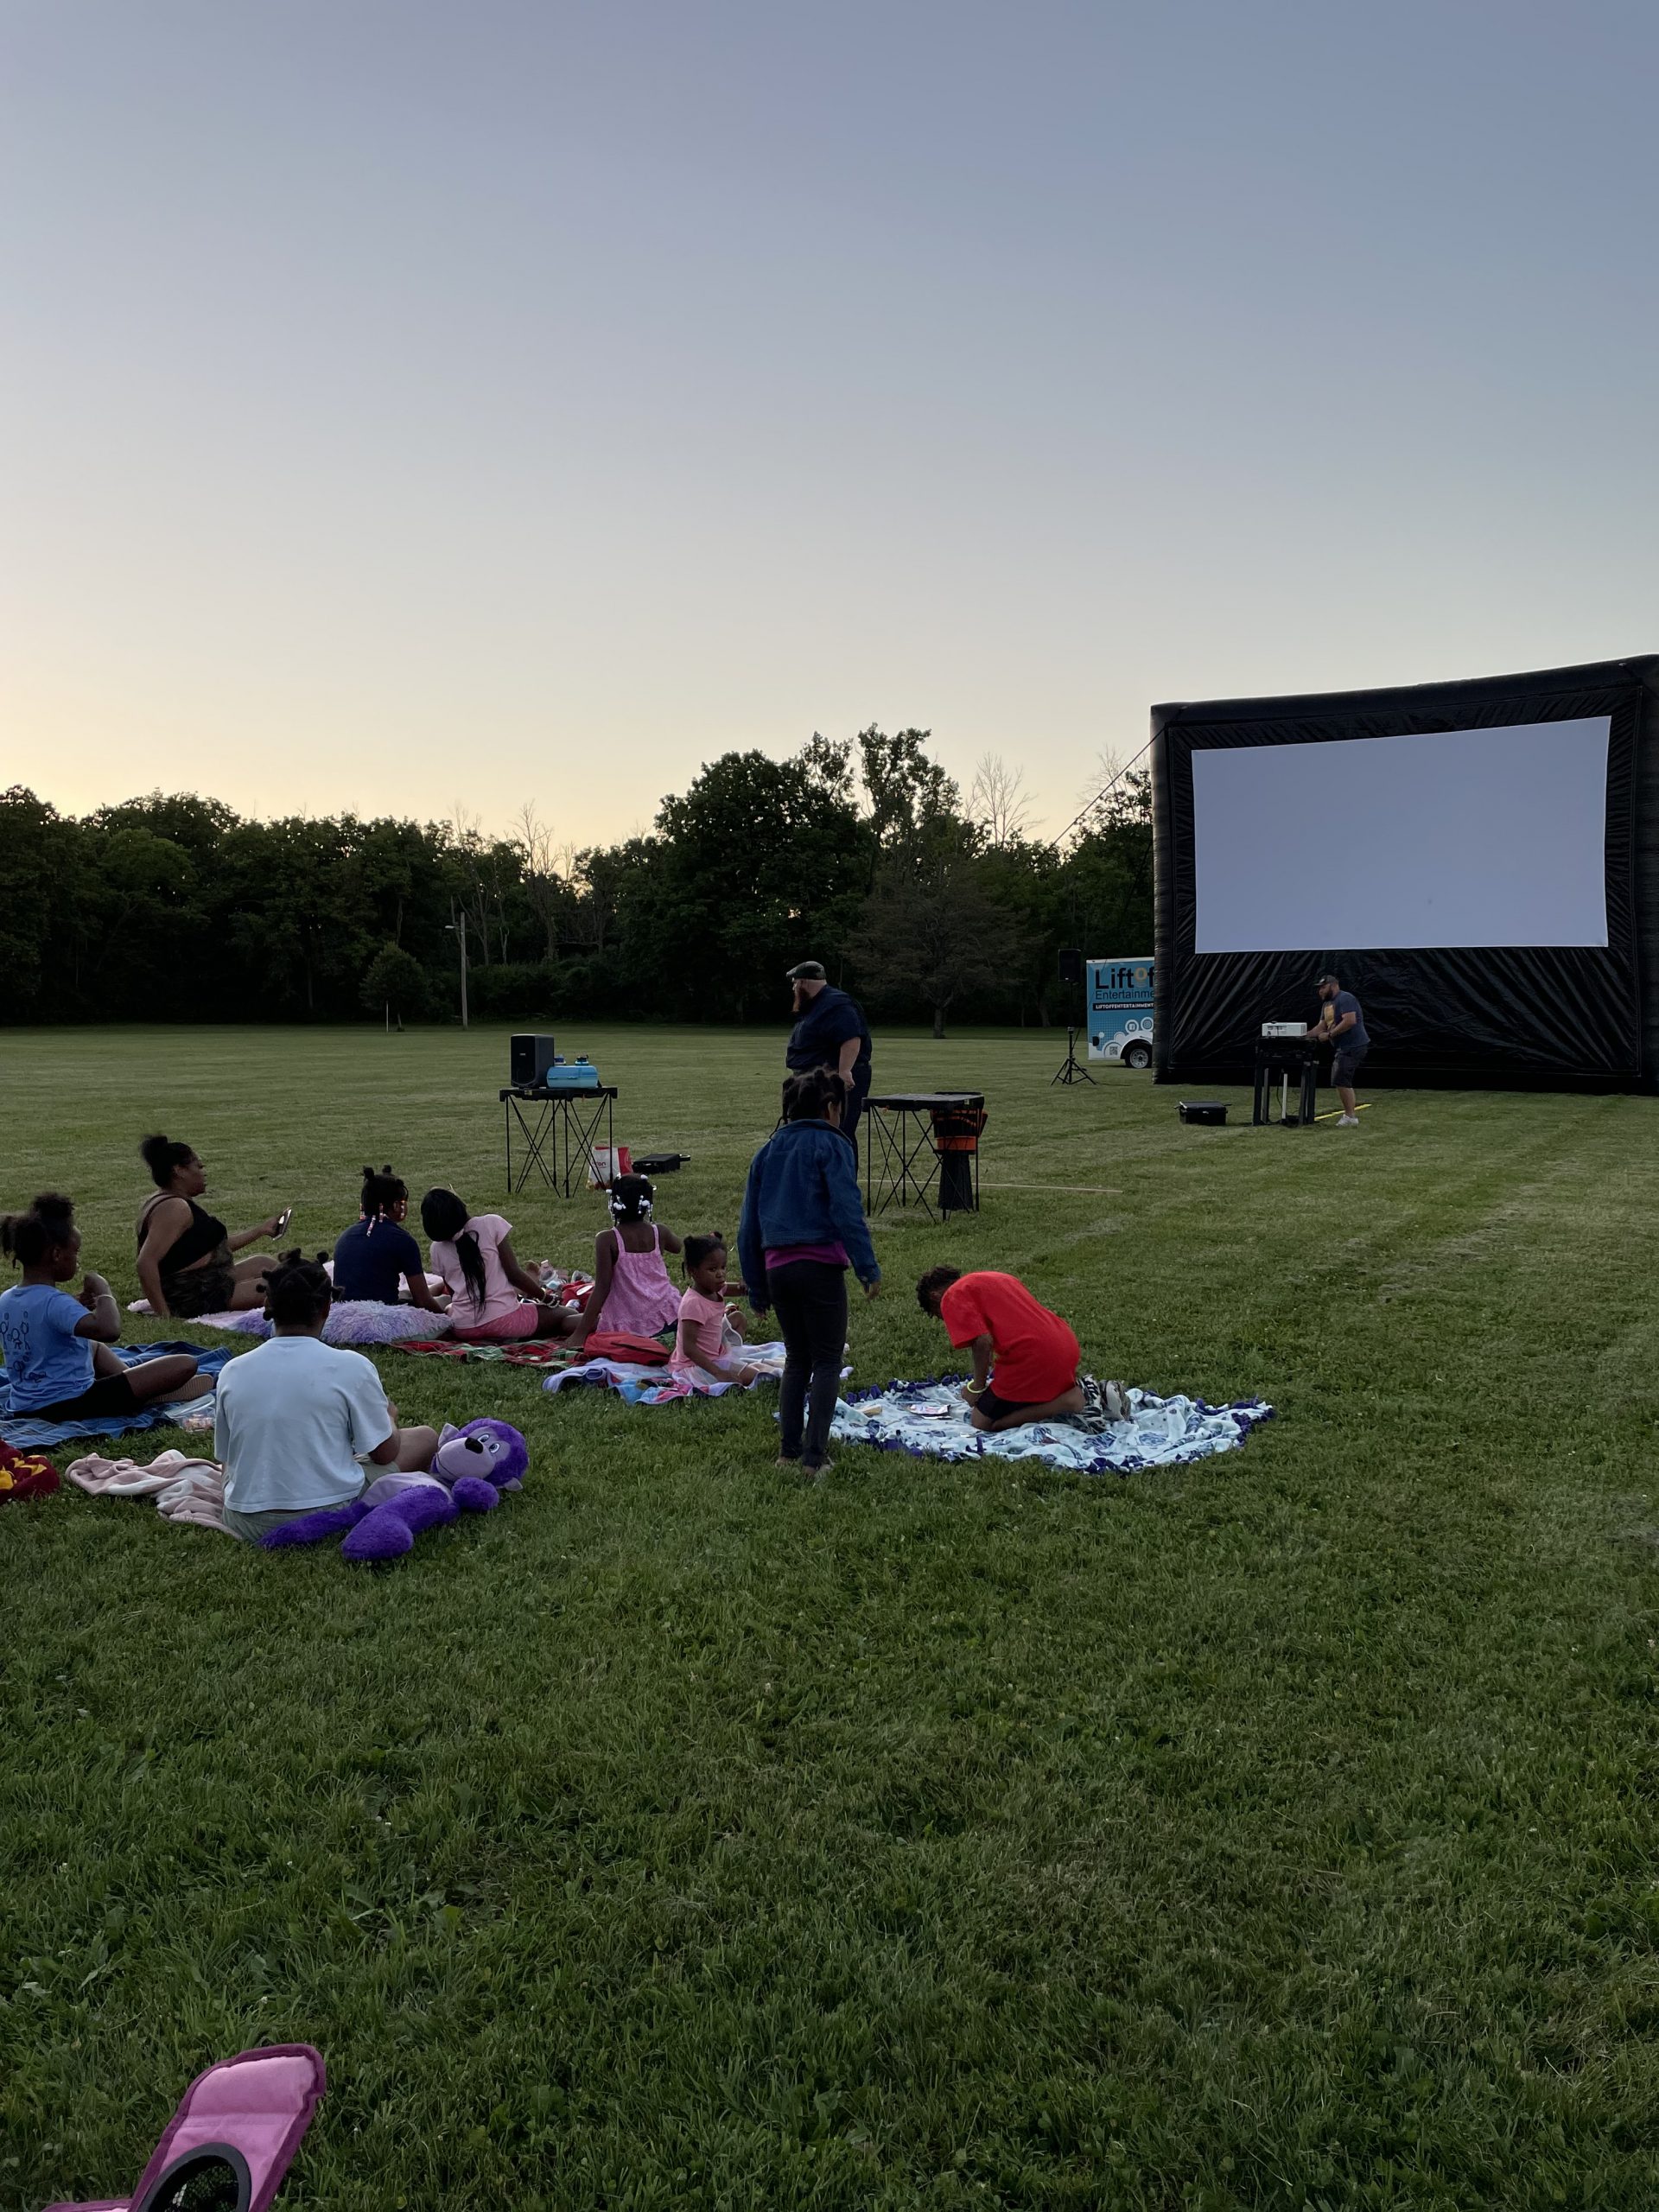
(1071, 1068)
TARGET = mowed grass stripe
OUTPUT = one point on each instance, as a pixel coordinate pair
(1274, 1832)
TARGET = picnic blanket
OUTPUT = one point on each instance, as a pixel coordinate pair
(25, 1430)
(653, 1386)
(531, 1351)
(189, 1492)
(930, 1420)
(549, 1351)
(351, 1323)
(436, 1284)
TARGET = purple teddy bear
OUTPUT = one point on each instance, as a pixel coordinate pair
(470, 1469)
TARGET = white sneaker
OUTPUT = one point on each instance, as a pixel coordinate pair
(1347, 1121)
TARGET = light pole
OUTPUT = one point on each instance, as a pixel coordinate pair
(458, 929)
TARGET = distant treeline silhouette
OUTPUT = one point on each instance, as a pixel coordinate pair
(862, 854)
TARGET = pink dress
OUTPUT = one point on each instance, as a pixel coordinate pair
(705, 1334)
(641, 1298)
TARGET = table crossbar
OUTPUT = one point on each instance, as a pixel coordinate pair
(902, 1163)
(558, 1138)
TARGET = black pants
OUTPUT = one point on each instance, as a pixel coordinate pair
(810, 1296)
(851, 1113)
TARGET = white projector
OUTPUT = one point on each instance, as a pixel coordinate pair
(1283, 1028)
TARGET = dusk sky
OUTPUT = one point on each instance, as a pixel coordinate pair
(405, 406)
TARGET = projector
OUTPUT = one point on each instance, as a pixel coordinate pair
(1283, 1028)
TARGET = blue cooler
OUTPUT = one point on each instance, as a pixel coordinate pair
(571, 1075)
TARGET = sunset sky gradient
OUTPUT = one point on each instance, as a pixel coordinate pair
(404, 406)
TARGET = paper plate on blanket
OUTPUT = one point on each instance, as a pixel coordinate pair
(1160, 1433)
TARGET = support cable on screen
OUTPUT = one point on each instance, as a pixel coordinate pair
(1102, 795)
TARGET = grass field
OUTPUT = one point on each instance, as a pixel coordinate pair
(1280, 1832)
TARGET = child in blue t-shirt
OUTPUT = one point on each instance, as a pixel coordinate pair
(59, 1364)
(377, 1252)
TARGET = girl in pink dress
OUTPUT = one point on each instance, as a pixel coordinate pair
(709, 1333)
(630, 1288)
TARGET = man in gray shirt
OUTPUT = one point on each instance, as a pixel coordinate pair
(1341, 1024)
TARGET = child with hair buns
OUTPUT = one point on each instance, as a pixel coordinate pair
(630, 1288)
(300, 1425)
(376, 1251)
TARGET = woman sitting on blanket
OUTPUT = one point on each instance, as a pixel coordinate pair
(708, 1332)
(631, 1286)
(492, 1299)
(59, 1364)
(185, 1265)
(295, 1419)
(996, 1318)
(377, 1250)
(803, 1226)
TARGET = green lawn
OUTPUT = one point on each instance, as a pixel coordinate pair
(1276, 1833)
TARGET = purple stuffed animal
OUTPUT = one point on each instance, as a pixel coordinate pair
(470, 1469)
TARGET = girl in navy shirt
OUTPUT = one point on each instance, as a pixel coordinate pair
(377, 1252)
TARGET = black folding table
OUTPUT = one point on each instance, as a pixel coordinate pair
(903, 1164)
(558, 1136)
(1285, 1059)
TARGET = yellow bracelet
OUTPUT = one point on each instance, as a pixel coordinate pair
(975, 1390)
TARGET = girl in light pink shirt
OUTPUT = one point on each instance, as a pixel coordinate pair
(492, 1298)
(703, 1349)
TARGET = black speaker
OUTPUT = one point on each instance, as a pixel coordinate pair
(530, 1058)
(1071, 964)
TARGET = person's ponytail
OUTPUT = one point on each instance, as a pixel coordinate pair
(472, 1266)
(444, 1217)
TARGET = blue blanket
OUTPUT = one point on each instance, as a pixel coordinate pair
(930, 1420)
(28, 1434)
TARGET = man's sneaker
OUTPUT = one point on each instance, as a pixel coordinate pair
(1347, 1121)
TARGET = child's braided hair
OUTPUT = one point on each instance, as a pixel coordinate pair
(298, 1292)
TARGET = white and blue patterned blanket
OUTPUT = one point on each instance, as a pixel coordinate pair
(930, 1420)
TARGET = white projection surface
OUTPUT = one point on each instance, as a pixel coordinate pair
(1468, 838)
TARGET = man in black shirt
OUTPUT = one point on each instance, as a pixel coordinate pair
(831, 1031)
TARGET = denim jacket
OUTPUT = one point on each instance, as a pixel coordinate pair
(803, 1189)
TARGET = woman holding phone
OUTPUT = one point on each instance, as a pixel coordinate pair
(186, 1265)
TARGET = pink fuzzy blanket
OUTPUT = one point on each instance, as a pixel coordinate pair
(354, 1322)
(189, 1492)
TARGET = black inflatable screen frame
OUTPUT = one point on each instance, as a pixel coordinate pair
(1532, 1017)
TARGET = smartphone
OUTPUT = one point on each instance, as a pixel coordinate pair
(283, 1218)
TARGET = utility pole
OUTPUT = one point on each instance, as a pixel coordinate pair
(459, 929)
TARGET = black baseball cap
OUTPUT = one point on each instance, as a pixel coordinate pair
(806, 971)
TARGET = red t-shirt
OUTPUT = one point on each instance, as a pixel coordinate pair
(1037, 1354)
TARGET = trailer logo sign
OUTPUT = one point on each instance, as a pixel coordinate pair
(1119, 1012)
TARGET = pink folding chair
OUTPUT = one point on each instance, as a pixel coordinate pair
(232, 2139)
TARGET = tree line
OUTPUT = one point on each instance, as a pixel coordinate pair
(861, 852)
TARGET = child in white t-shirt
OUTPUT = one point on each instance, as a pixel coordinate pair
(295, 1419)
